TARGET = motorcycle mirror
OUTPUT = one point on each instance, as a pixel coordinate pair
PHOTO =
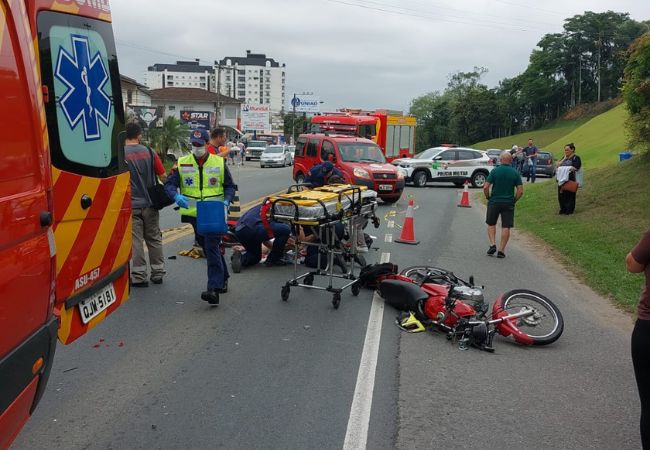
(471, 280)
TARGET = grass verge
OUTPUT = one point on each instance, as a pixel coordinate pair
(611, 216)
(543, 137)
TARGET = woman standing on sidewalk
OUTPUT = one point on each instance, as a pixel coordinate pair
(637, 261)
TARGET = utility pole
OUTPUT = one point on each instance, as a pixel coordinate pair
(580, 79)
(293, 120)
(218, 93)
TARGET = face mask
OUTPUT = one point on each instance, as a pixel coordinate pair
(198, 151)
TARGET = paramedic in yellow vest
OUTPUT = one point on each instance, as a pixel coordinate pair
(203, 176)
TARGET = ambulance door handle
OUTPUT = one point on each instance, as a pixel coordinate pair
(86, 201)
(45, 218)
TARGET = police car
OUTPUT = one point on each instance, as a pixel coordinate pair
(444, 164)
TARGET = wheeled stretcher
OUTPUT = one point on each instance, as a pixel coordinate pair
(323, 210)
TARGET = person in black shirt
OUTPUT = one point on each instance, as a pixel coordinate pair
(567, 199)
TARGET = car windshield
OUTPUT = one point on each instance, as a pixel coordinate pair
(360, 152)
(428, 154)
(274, 149)
(257, 144)
(544, 155)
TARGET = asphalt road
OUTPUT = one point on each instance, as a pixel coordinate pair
(168, 372)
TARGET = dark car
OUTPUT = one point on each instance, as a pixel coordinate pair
(545, 164)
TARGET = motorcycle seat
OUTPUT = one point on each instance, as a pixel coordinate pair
(402, 295)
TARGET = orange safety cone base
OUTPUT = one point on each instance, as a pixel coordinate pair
(404, 241)
(464, 200)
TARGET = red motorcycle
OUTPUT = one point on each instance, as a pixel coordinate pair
(439, 300)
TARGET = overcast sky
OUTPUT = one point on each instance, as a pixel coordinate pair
(355, 53)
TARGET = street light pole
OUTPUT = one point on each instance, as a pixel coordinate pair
(293, 120)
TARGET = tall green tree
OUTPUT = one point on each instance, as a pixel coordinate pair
(636, 92)
(174, 135)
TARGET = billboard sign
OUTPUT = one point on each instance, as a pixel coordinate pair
(255, 117)
(147, 116)
(306, 103)
(197, 120)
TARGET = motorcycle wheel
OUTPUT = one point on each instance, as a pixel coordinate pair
(545, 326)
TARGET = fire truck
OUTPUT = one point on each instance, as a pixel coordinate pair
(391, 130)
(65, 206)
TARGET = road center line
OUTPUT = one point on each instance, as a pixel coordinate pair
(385, 257)
(390, 224)
(356, 436)
(388, 238)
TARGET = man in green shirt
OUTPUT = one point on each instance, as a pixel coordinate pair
(507, 188)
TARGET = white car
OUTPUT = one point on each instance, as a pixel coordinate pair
(445, 164)
(275, 155)
(292, 151)
(254, 149)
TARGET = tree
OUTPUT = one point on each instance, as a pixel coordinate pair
(636, 92)
(298, 123)
(432, 113)
(174, 135)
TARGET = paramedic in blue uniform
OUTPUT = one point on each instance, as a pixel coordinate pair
(320, 174)
(203, 176)
(253, 230)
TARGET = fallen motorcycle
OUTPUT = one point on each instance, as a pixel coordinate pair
(437, 299)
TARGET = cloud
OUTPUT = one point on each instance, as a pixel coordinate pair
(361, 53)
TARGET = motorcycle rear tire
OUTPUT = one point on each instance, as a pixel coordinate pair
(552, 315)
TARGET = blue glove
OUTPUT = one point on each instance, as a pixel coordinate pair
(181, 201)
(226, 203)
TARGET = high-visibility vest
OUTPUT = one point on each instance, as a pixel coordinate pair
(200, 182)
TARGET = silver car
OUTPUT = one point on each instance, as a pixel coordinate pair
(275, 155)
(444, 164)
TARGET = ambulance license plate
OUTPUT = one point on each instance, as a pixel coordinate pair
(385, 187)
(98, 302)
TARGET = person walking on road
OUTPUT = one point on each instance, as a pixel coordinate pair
(566, 198)
(143, 165)
(254, 229)
(217, 143)
(637, 261)
(507, 189)
(203, 176)
(531, 161)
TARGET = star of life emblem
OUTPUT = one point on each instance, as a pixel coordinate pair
(189, 181)
(85, 79)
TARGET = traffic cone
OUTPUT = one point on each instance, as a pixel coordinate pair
(408, 231)
(464, 200)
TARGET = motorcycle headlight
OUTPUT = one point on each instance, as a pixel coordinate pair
(361, 173)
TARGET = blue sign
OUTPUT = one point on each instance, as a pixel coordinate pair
(85, 99)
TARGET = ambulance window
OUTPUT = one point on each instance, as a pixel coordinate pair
(85, 112)
(390, 141)
(405, 137)
(18, 153)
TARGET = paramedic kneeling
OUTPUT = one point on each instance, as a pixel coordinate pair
(203, 176)
(253, 229)
(319, 175)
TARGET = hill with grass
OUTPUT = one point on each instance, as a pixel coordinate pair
(542, 136)
(613, 206)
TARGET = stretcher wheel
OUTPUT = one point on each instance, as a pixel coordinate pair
(309, 280)
(356, 289)
(336, 300)
(285, 292)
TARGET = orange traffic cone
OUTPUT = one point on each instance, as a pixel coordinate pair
(408, 231)
(464, 200)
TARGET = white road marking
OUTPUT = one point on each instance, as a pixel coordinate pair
(390, 224)
(356, 436)
(388, 238)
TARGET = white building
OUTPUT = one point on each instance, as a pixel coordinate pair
(175, 100)
(253, 79)
(183, 74)
(134, 93)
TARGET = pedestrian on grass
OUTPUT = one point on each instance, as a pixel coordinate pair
(572, 163)
(507, 189)
(637, 261)
(144, 164)
(531, 161)
(202, 176)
